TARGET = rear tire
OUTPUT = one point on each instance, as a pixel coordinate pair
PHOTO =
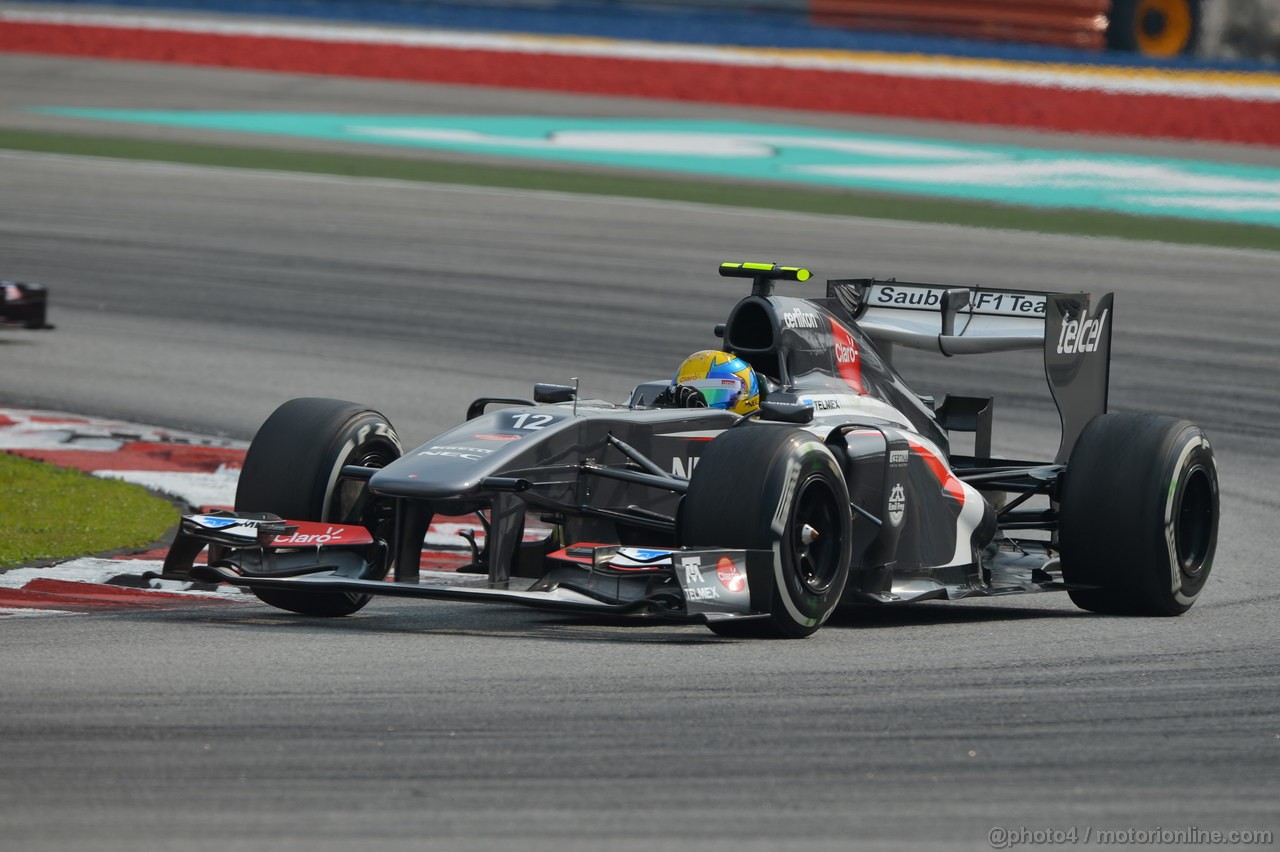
(1160, 28)
(1139, 515)
(758, 487)
(291, 469)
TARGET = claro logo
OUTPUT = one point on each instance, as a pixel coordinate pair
(848, 360)
(729, 576)
(329, 536)
(846, 353)
(1083, 335)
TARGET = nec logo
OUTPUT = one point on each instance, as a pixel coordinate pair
(1082, 335)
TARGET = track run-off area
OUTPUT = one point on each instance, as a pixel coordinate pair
(1205, 104)
(874, 141)
(197, 299)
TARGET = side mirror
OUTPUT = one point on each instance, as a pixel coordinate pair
(786, 412)
(545, 393)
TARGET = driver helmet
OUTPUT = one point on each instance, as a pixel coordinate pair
(724, 380)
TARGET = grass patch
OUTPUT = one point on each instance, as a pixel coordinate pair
(770, 197)
(49, 512)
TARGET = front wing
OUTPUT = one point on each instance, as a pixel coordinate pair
(265, 552)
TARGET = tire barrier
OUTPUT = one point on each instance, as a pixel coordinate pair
(1045, 30)
(1063, 23)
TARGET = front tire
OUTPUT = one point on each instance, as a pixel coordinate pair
(773, 488)
(291, 469)
(1139, 515)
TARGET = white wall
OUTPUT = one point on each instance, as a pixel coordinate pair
(1240, 29)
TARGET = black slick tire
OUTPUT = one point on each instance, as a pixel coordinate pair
(291, 469)
(1139, 515)
(774, 488)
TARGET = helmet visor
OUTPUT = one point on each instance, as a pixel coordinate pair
(719, 393)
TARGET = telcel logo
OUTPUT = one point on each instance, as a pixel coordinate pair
(1082, 335)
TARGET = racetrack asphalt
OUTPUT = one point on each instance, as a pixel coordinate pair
(201, 298)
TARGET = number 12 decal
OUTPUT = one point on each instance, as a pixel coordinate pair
(531, 421)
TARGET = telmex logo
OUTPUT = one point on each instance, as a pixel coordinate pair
(797, 318)
(695, 585)
(1082, 335)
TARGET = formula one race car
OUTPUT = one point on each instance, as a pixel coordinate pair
(23, 305)
(795, 473)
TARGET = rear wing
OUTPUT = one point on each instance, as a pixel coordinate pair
(1074, 335)
(950, 320)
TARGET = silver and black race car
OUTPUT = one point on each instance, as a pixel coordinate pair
(23, 305)
(841, 488)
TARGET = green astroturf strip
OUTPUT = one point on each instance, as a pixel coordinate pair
(49, 512)
(835, 202)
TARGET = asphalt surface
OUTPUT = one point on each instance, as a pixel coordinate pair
(202, 298)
